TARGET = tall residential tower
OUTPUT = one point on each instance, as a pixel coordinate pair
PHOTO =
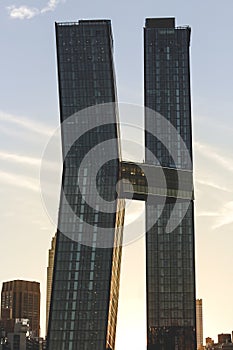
(170, 267)
(85, 288)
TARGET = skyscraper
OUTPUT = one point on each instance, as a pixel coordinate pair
(170, 255)
(85, 290)
(22, 299)
(199, 318)
(50, 278)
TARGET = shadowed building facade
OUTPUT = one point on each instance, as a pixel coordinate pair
(170, 269)
(85, 290)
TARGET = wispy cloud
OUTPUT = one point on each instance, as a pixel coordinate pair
(19, 181)
(213, 185)
(28, 124)
(51, 166)
(28, 12)
(215, 154)
(207, 213)
(206, 120)
(213, 176)
(225, 216)
(51, 5)
(19, 158)
(22, 12)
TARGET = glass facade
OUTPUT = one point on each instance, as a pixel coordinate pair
(84, 299)
(85, 288)
(169, 255)
(178, 182)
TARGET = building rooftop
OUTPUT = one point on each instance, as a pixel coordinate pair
(160, 22)
(85, 22)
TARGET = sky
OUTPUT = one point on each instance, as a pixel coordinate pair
(29, 115)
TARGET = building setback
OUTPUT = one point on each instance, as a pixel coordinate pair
(85, 290)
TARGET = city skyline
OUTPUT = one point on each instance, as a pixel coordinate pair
(212, 136)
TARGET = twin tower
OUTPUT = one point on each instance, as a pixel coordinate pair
(96, 182)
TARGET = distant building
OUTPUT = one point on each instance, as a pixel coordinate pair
(21, 300)
(224, 342)
(224, 338)
(20, 339)
(199, 324)
(4, 345)
(227, 346)
(50, 278)
(7, 323)
(209, 342)
(17, 339)
(35, 344)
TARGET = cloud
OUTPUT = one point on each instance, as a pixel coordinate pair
(207, 213)
(51, 5)
(19, 181)
(27, 12)
(22, 12)
(50, 165)
(213, 185)
(225, 216)
(19, 159)
(215, 175)
(28, 124)
(204, 119)
(214, 154)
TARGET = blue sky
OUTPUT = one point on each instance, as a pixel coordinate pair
(29, 114)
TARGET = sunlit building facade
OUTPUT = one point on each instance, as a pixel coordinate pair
(50, 278)
(199, 322)
(22, 301)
